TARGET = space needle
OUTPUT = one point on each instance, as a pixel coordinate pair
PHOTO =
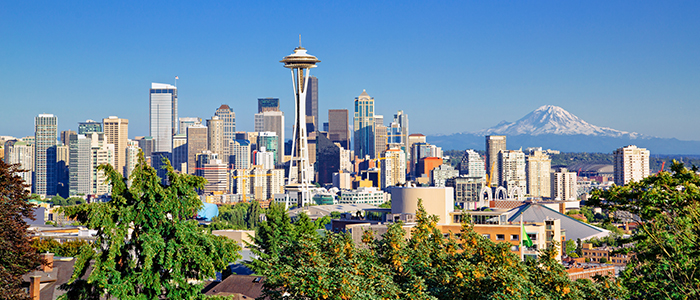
(299, 183)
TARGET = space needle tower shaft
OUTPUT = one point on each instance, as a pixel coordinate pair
(299, 183)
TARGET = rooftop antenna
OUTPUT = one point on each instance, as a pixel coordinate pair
(176, 78)
(300, 41)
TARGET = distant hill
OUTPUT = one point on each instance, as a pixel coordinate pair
(552, 127)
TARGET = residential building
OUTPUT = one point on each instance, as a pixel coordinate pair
(537, 170)
(80, 173)
(631, 164)
(116, 132)
(511, 166)
(494, 144)
(215, 136)
(364, 126)
(132, 159)
(472, 165)
(393, 167)
(564, 185)
(380, 138)
(19, 152)
(45, 135)
(264, 159)
(214, 170)
(441, 173)
(163, 121)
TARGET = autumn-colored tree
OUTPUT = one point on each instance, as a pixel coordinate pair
(148, 245)
(667, 241)
(17, 256)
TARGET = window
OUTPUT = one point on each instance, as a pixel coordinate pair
(486, 236)
(500, 237)
(514, 237)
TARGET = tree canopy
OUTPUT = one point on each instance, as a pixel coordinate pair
(17, 257)
(148, 245)
(303, 265)
(667, 240)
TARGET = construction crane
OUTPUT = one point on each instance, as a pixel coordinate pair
(245, 178)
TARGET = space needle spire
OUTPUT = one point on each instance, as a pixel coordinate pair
(300, 170)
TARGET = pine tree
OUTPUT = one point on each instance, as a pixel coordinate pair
(148, 245)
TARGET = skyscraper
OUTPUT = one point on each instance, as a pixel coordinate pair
(270, 141)
(180, 152)
(312, 100)
(196, 143)
(631, 164)
(338, 127)
(187, 122)
(215, 136)
(45, 134)
(116, 132)
(19, 152)
(268, 104)
(163, 120)
(81, 165)
(226, 114)
(494, 144)
(538, 175)
(399, 133)
(272, 121)
(300, 63)
(393, 167)
(364, 125)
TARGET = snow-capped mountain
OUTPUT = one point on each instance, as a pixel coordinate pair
(550, 119)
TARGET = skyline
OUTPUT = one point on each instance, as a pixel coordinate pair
(488, 62)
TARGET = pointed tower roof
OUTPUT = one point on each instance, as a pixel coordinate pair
(364, 93)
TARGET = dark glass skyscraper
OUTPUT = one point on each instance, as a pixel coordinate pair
(312, 100)
(268, 104)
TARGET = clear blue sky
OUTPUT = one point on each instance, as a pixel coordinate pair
(451, 66)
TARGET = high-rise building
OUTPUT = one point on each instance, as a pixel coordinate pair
(268, 104)
(399, 130)
(265, 159)
(215, 136)
(564, 185)
(147, 145)
(196, 143)
(364, 126)
(494, 144)
(158, 164)
(441, 173)
(214, 170)
(472, 165)
(226, 114)
(327, 159)
(312, 101)
(45, 134)
(240, 154)
(117, 131)
(511, 164)
(467, 191)
(89, 126)
(62, 163)
(132, 159)
(101, 153)
(80, 173)
(380, 135)
(338, 127)
(272, 121)
(187, 122)
(393, 167)
(179, 156)
(538, 174)
(163, 120)
(269, 141)
(631, 164)
(19, 152)
(65, 136)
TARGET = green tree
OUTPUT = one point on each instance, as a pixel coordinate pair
(16, 253)
(570, 247)
(667, 240)
(59, 201)
(252, 217)
(148, 245)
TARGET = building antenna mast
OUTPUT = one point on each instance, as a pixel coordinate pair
(300, 41)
